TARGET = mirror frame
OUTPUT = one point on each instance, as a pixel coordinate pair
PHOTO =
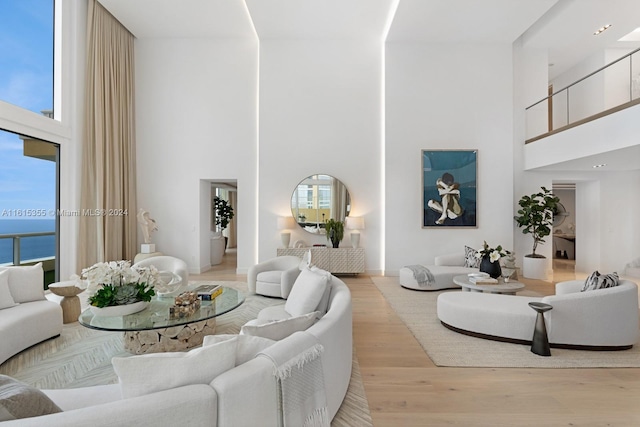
(317, 226)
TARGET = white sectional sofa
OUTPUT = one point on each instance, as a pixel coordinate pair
(26, 316)
(601, 319)
(244, 395)
(444, 269)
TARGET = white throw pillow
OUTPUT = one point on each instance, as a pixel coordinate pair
(150, 373)
(6, 300)
(306, 293)
(280, 328)
(26, 283)
(323, 305)
(306, 261)
(248, 345)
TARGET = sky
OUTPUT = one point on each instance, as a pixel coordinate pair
(26, 80)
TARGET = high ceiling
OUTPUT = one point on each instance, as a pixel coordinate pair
(563, 27)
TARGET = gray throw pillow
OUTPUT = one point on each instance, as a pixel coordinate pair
(19, 400)
(470, 260)
(600, 281)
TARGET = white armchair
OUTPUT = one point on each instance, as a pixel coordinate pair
(274, 277)
(169, 263)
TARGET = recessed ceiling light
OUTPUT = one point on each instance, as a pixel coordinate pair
(600, 165)
(602, 29)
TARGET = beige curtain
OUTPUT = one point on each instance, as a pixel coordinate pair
(233, 202)
(338, 200)
(108, 189)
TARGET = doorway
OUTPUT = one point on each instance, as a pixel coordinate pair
(221, 230)
(564, 232)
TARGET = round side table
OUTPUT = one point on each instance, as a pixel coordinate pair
(70, 302)
(540, 341)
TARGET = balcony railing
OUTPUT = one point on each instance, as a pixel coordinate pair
(609, 89)
(16, 237)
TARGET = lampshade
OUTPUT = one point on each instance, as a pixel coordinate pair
(354, 223)
(285, 222)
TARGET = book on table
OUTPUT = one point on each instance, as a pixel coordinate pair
(209, 292)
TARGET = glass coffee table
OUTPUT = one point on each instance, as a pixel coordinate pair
(152, 330)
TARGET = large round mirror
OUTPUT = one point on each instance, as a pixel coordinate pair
(317, 199)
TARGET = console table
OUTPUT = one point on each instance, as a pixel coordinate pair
(334, 260)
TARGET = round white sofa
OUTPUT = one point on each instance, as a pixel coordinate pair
(444, 269)
(245, 395)
(601, 319)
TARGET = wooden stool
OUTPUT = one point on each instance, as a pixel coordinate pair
(70, 302)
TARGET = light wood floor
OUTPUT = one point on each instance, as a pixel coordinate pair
(405, 388)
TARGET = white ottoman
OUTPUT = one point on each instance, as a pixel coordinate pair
(442, 273)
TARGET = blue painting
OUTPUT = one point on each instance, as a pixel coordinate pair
(449, 188)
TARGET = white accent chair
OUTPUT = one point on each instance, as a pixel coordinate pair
(275, 277)
(168, 263)
(444, 269)
(633, 268)
(601, 319)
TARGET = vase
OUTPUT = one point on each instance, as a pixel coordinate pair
(491, 268)
(119, 310)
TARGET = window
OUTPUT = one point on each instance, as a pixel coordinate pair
(26, 54)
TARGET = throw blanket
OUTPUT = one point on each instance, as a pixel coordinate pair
(301, 382)
(422, 275)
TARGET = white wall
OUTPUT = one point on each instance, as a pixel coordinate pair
(447, 97)
(320, 113)
(196, 120)
(585, 98)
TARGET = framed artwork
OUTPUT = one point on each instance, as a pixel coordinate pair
(449, 188)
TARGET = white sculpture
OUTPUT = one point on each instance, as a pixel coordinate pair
(148, 225)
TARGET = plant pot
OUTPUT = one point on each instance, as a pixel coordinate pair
(535, 268)
(491, 268)
(119, 310)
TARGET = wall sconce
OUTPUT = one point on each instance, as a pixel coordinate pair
(355, 223)
(285, 223)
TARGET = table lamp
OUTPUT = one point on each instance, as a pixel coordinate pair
(355, 223)
(285, 223)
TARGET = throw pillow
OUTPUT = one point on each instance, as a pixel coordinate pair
(323, 306)
(306, 261)
(306, 293)
(280, 328)
(150, 373)
(19, 400)
(600, 281)
(26, 283)
(470, 260)
(6, 300)
(248, 345)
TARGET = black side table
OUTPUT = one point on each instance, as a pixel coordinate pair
(540, 341)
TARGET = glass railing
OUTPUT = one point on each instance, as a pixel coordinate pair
(608, 89)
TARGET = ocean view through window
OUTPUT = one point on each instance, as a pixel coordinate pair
(28, 166)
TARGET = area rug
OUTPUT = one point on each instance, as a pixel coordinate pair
(417, 309)
(81, 357)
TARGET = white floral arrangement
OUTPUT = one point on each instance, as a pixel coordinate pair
(494, 254)
(118, 283)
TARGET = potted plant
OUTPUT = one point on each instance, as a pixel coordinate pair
(118, 288)
(535, 217)
(335, 231)
(224, 214)
(490, 259)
